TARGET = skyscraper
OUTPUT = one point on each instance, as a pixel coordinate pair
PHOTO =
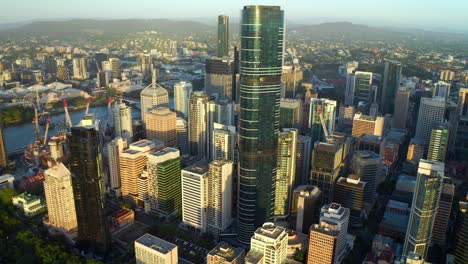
(271, 241)
(219, 77)
(262, 33)
(438, 143)
(220, 111)
(164, 182)
(325, 108)
(305, 207)
(114, 149)
(441, 89)
(349, 192)
(461, 253)
(154, 95)
(123, 121)
(364, 124)
(223, 36)
(431, 112)
(303, 158)
(362, 88)
(88, 188)
(161, 125)
(461, 145)
(442, 218)
(151, 249)
(220, 196)
(391, 83)
(286, 171)
(182, 92)
(198, 125)
(290, 113)
(60, 201)
(115, 67)
(367, 165)
(80, 68)
(182, 136)
(338, 215)
(323, 242)
(224, 143)
(424, 207)
(63, 73)
(400, 115)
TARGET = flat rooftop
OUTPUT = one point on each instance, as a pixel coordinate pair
(270, 230)
(226, 251)
(155, 243)
(199, 167)
(142, 143)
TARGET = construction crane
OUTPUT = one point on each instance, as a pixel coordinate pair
(36, 122)
(88, 102)
(67, 115)
(328, 137)
(46, 130)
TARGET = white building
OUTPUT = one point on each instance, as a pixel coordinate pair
(123, 121)
(154, 95)
(336, 214)
(150, 250)
(114, 149)
(220, 196)
(80, 69)
(29, 203)
(431, 111)
(182, 92)
(271, 242)
(195, 195)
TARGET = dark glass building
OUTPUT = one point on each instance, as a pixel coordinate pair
(260, 88)
(391, 83)
(88, 188)
(223, 36)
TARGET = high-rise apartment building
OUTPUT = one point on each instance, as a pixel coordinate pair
(441, 89)
(431, 112)
(400, 114)
(364, 124)
(260, 89)
(271, 241)
(224, 253)
(198, 125)
(424, 207)
(391, 82)
(63, 73)
(114, 149)
(323, 242)
(338, 215)
(132, 162)
(224, 143)
(219, 77)
(219, 196)
(285, 172)
(115, 67)
(223, 36)
(438, 143)
(349, 192)
(150, 249)
(461, 252)
(220, 111)
(182, 92)
(88, 187)
(447, 75)
(153, 96)
(80, 69)
(60, 201)
(122, 115)
(327, 160)
(306, 206)
(161, 125)
(303, 158)
(367, 166)
(164, 181)
(102, 79)
(195, 196)
(290, 113)
(182, 136)
(325, 109)
(442, 218)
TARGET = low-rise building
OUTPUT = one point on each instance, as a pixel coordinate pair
(29, 203)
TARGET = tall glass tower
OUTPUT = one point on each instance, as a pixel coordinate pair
(223, 36)
(262, 39)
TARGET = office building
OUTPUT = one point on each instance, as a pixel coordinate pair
(50, 63)
(364, 124)
(223, 36)
(80, 69)
(114, 149)
(115, 67)
(438, 143)
(122, 115)
(260, 89)
(305, 209)
(150, 249)
(461, 252)
(367, 166)
(395, 220)
(182, 136)
(219, 77)
(441, 89)
(461, 140)
(164, 181)
(291, 76)
(132, 162)
(442, 218)
(290, 113)
(102, 79)
(415, 150)
(325, 109)
(224, 253)
(3, 152)
(161, 125)
(198, 125)
(362, 88)
(345, 116)
(303, 158)
(60, 201)
(349, 192)
(88, 186)
(285, 172)
(219, 196)
(63, 73)
(400, 114)
(327, 160)
(220, 111)
(424, 207)
(391, 83)
(195, 180)
(224, 143)
(323, 242)
(271, 241)
(446, 75)
(182, 92)
(146, 63)
(338, 215)
(431, 112)
(154, 95)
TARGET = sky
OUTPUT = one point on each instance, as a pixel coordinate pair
(448, 15)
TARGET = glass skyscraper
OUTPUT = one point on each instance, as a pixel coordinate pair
(223, 36)
(391, 83)
(262, 39)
